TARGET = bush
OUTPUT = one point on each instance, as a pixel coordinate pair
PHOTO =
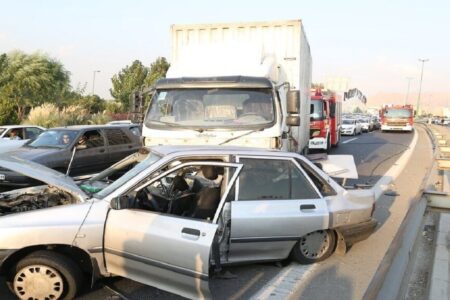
(74, 115)
(100, 118)
(46, 115)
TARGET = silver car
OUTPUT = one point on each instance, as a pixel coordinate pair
(176, 216)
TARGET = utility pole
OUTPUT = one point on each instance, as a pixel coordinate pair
(420, 85)
(93, 81)
(407, 91)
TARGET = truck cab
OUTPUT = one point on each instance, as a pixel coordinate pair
(325, 120)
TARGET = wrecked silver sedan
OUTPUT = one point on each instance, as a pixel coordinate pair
(179, 214)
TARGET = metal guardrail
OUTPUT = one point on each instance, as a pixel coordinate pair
(440, 198)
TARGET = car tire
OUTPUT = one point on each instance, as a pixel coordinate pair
(314, 247)
(59, 276)
(354, 132)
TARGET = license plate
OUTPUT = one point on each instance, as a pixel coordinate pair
(2, 177)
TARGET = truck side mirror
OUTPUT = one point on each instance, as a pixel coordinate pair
(293, 102)
(293, 121)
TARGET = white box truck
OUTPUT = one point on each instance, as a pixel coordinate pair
(244, 84)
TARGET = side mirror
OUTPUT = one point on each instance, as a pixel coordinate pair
(120, 202)
(293, 121)
(293, 102)
(115, 203)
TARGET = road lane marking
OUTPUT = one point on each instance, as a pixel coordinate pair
(347, 141)
(284, 285)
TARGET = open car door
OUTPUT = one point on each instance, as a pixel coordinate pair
(167, 251)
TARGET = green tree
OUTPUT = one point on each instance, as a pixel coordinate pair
(158, 70)
(128, 80)
(92, 104)
(8, 114)
(30, 80)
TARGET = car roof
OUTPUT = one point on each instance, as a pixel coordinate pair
(82, 127)
(218, 150)
(20, 126)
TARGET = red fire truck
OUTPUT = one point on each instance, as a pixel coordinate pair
(397, 118)
(325, 120)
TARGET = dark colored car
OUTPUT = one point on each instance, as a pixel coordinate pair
(95, 147)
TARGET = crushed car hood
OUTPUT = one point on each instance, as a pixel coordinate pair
(41, 173)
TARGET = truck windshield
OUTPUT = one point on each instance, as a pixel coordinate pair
(317, 113)
(397, 113)
(211, 108)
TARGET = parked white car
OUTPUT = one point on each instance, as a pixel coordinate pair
(22, 134)
(180, 212)
(366, 124)
(351, 127)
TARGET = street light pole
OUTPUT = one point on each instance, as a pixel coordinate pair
(93, 81)
(420, 84)
(407, 91)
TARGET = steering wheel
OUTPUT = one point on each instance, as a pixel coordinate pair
(149, 203)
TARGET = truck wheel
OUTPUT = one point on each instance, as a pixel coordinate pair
(328, 144)
(46, 275)
(314, 247)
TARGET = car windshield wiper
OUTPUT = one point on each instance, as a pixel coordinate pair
(177, 126)
(242, 135)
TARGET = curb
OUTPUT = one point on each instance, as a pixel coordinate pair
(394, 265)
(439, 275)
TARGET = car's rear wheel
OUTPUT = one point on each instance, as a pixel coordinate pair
(46, 275)
(315, 246)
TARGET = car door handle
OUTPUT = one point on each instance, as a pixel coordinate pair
(190, 234)
(190, 231)
(307, 206)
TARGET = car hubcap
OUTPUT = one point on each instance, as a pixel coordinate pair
(38, 282)
(315, 244)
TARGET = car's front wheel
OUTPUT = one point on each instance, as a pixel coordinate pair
(315, 246)
(46, 275)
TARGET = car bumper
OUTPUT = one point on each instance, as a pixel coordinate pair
(357, 232)
(397, 128)
(347, 131)
(318, 143)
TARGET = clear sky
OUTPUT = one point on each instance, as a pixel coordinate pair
(375, 43)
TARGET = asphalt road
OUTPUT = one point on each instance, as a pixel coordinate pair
(374, 153)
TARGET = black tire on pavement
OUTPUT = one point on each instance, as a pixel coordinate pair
(64, 267)
(328, 144)
(322, 245)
